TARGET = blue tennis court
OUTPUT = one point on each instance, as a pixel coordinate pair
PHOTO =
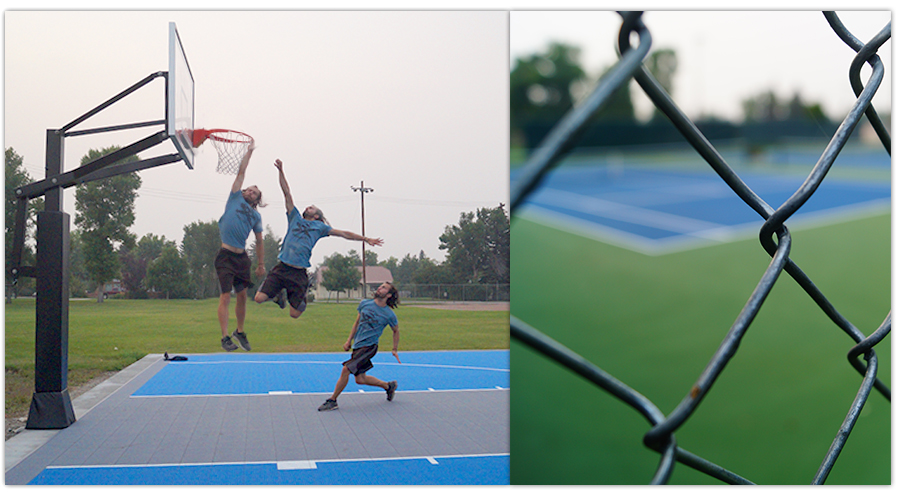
(657, 211)
(252, 419)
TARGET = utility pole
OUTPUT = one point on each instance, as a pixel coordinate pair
(362, 203)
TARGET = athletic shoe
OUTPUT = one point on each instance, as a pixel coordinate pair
(392, 387)
(280, 299)
(242, 339)
(227, 344)
(329, 404)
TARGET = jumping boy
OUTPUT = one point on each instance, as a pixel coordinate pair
(290, 273)
(232, 263)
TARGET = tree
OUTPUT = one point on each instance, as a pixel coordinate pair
(199, 246)
(341, 273)
(371, 257)
(618, 107)
(167, 273)
(405, 271)
(104, 212)
(541, 85)
(135, 260)
(391, 265)
(430, 272)
(662, 64)
(768, 107)
(79, 281)
(478, 248)
(16, 176)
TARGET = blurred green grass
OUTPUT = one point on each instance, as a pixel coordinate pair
(655, 322)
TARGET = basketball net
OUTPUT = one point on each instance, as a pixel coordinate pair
(230, 145)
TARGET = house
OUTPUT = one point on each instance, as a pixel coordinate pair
(115, 287)
(375, 276)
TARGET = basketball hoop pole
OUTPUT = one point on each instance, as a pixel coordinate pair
(51, 405)
(362, 203)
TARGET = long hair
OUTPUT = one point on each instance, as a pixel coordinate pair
(393, 300)
(320, 216)
(259, 201)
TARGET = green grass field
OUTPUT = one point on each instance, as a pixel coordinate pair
(655, 322)
(112, 335)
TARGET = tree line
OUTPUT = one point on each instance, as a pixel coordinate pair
(546, 84)
(103, 249)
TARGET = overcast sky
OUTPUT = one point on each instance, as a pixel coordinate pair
(414, 104)
(724, 57)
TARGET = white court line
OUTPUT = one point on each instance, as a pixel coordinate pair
(291, 393)
(273, 362)
(622, 212)
(702, 237)
(282, 465)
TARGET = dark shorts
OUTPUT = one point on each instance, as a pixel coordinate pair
(233, 270)
(293, 279)
(361, 359)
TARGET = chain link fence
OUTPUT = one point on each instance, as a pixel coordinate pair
(774, 238)
(496, 292)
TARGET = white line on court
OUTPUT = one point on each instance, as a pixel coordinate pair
(291, 393)
(701, 238)
(624, 213)
(273, 362)
(282, 465)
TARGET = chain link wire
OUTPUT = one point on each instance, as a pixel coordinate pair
(773, 236)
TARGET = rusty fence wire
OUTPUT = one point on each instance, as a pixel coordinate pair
(773, 236)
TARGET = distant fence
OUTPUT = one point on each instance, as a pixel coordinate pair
(497, 292)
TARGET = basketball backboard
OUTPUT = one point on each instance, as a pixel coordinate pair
(180, 99)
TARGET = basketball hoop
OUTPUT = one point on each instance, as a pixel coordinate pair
(231, 146)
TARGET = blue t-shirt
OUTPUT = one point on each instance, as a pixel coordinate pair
(373, 319)
(237, 221)
(301, 237)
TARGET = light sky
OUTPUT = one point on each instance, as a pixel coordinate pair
(724, 57)
(413, 104)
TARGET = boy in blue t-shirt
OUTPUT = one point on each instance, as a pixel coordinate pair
(374, 316)
(232, 263)
(290, 274)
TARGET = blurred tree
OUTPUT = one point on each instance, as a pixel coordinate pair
(104, 212)
(767, 107)
(406, 269)
(478, 248)
(135, 260)
(541, 85)
(619, 107)
(199, 246)
(79, 280)
(168, 274)
(341, 273)
(430, 272)
(391, 265)
(16, 176)
(662, 64)
(371, 257)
